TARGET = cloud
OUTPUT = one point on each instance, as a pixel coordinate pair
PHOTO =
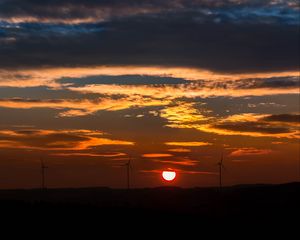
(109, 155)
(271, 82)
(204, 89)
(121, 80)
(75, 11)
(267, 105)
(278, 143)
(281, 125)
(182, 115)
(154, 31)
(152, 79)
(56, 140)
(188, 144)
(80, 107)
(179, 150)
(113, 97)
(156, 155)
(182, 162)
(253, 125)
(285, 118)
(249, 152)
(247, 124)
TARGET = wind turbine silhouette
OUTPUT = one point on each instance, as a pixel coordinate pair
(299, 169)
(221, 168)
(128, 167)
(43, 168)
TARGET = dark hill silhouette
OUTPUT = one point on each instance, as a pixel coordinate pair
(241, 204)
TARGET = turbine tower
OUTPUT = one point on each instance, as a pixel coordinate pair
(128, 167)
(43, 168)
(221, 167)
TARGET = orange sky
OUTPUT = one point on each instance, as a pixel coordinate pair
(86, 133)
(166, 84)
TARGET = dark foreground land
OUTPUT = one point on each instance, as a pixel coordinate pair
(249, 204)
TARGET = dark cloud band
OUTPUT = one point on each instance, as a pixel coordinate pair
(221, 36)
(103, 9)
(289, 118)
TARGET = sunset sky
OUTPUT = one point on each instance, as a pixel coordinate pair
(170, 84)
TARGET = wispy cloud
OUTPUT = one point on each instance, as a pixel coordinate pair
(293, 119)
(56, 140)
(179, 150)
(252, 125)
(156, 155)
(182, 162)
(72, 12)
(188, 144)
(182, 115)
(249, 152)
(204, 89)
(247, 124)
(81, 107)
(52, 77)
(85, 154)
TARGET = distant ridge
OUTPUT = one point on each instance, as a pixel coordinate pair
(158, 187)
(258, 204)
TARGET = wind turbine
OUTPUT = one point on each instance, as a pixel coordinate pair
(43, 168)
(299, 169)
(128, 167)
(221, 168)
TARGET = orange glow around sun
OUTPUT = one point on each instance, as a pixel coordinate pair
(169, 175)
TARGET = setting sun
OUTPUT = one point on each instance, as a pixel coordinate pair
(168, 175)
